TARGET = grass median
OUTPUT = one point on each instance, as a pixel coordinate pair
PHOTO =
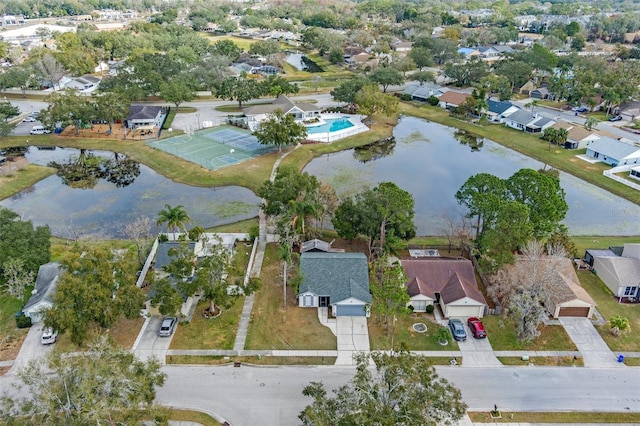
(10, 185)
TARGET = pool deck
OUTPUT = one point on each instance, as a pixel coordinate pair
(328, 137)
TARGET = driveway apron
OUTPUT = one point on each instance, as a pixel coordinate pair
(593, 349)
(150, 344)
(478, 353)
(31, 348)
(353, 337)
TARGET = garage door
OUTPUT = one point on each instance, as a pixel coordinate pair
(573, 312)
(350, 311)
(464, 311)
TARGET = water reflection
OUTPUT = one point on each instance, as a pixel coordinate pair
(469, 139)
(83, 171)
(375, 151)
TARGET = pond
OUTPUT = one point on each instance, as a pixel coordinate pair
(114, 191)
(301, 62)
(432, 161)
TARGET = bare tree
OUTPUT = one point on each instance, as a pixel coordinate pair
(458, 232)
(17, 278)
(140, 232)
(51, 69)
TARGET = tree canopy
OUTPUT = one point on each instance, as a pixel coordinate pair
(19, 239)
(403, 389)
(280, 130)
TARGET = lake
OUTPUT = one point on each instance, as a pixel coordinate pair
(428, 161)
(98, 207)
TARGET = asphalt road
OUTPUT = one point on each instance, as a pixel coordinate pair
(273, 395)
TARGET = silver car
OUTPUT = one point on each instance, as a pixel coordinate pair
(49, 336)
(167, 327)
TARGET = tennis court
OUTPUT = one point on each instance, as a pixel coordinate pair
(214, 148)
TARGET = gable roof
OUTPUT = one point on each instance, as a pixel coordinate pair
(626, 270)
(541, 90)
(613, 148)
(281, 103)
(337, 275)
(498, 107)
(46, 283)
(454, 279)
(575, 133)
(317, 245)
(454, 98)
(143, 112)
(522, 117)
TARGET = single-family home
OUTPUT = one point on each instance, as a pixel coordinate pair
(42, 295)
(468, 52)
(539, 93)
(635, 172)
(449, 283)
(336, 280)
(528, 121)
(86, 83)
(578, 137)
(498, 111)
(527, 87)
(402, 46)
(629, 110)
(150, 116)
(422, 92)
(620, 273)
(359, 60)
(452, 99)
(614, 152)
(301, 111)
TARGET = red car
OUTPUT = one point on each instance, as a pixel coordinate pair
(477, 328)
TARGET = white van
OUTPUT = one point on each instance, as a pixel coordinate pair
(39, 130)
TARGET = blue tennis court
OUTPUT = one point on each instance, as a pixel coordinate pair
(214, 148)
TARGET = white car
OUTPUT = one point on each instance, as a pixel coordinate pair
(49, 336)
(29, 119)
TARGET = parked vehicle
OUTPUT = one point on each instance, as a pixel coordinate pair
(29, 119)
(477, 328)
(580, 109)
(615, 118)
(39, 130)
(167, 327)
(49, 336)
(457, 330)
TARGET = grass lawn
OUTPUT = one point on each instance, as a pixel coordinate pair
(265, 360)
(213, 333)
(122, 334)
(547, 361)
(502, 334)
(273, 327)
(22, 179)
(192, 416)
(583, 243)
(240, 227)
(10, 336)
(564, 417)
(608, 306)
(530, 145)
(406, 337)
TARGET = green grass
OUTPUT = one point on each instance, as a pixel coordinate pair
(10, 336)
(199, 417)
(608, 306)
(264, 360)
(169, 121)
(563, 417)
(548, 361)
(502, 334)
(405, 336)
(238, 227)
(10, 185)
(530, 145)
(589, 242)
(213, 333)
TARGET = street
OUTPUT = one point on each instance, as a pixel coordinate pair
(273, 395)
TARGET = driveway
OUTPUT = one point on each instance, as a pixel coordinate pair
(31, 349)
(353, 336)
(477, 353)
(593, 349)
(149, 344)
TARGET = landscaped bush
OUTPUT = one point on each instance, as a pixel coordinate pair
(405, 97)
(430, 309)
(433, 101)
(23, 321)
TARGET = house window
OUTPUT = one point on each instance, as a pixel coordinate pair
(630, 291)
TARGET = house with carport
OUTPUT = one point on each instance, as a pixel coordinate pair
(339, 281)
(614, 152)
(448, 283)
(42, 295)
(577, 136)
(620, 273)
(528, 121)
(498, 111)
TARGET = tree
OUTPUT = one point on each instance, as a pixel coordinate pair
(336, 55)
(6, 127)
(276, 85)
(211, 279)
(19, 239)
(371, 101)
(403, 389)
(166, 297)
(112, 107)
(139, 231)
(590, 123)
(68, 108)
(241, 89)
(618, 324)
(17, 278)
(482, 194)
(423, 77)
(288, 185)
(175, 217)
(9, 111)
(422, 57)
(20, 76)
(176, 91)
(51, 69)
(466, 73)
(103, 385)
(280, 129)
(389, 293)
(386, 76)
(347, 90)
(97, 286)
(264, 47)
(226, 48)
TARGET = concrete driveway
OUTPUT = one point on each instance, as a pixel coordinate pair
(478, 353)
(149, 344)
(353, 337)
(593, 349)
(31, 349)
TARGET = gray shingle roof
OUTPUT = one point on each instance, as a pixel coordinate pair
(337, 275)
(498, 107)
(46, 284)
(282, 103)
(612, 148)
(162, 254)
(143, 112)
(523, 117)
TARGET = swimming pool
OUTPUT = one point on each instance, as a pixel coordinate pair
(331, 125)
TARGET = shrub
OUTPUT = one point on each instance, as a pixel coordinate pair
(430, 309)
(254, 232)
(443, 335)
(405, 97)
(433, 101)
(163, 238)
(23, 321)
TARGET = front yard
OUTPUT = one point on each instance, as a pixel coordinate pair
(502, 335)
(406, 337)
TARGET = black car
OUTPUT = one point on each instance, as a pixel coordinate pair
(457, 330)
(615, 118)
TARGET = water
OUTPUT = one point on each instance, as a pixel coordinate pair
(101, 209)
(331, 125)
(295, 60)
(428, 161)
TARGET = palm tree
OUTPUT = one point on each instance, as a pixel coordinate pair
(301, 210)
(175, 217)
(590, 123)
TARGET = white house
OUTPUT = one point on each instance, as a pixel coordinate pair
(614, 152)
(301, 111)
(42, 296)
(499, 111)
(528, 121)
(620, 273)
(422, 92)
(145, 115)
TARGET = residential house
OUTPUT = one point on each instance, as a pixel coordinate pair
(620, 273)
(336, 280)
(526, 88)
(42, 295)
(402, 46)
(86, 83)
(317, 245)
(528, 121)
(422, 92)
(578, 137)
(630, 110)
(614, 152)
(446, 282)
(498, 111)
(540, 93)
(493, 53)
(635, 172)
(301, 111)
(147, 116)
(362, 60)
(451, 99)
(468, 52)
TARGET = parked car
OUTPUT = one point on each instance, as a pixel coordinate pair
(49, 336)
(167, 327)
(477, 328)
(580, 109)
(29, 119)
(457, 329)
(615, 118)
(39, 130)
